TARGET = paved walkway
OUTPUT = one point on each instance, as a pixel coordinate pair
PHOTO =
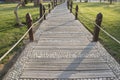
(63, 50)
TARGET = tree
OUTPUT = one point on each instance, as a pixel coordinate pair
(31, 0)
(111, 1)
(16, 14)
(86, 1)
(25, 1)
(36, 2)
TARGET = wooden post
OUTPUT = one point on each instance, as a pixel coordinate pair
(60, 1)
(56, 2)
(68, 4)
(71, 4)
(76, 13)
(97, 29)
(29, 24)
(44, 13)
(49, 8)
(111, 1)
(41, 10)
(36, 2)
(52, 3)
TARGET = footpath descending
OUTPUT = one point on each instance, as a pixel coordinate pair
(63, 50)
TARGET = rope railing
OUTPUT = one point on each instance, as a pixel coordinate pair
(106, 57)
(70, 6)
(90, 20)
(29, 28)
(20, 39)
(97, 23)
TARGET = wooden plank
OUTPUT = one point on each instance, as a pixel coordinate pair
(66, 74)
(66, 66)
(59, 61)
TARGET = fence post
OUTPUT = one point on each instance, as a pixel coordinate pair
(71, 7)
(76, 12)
(97, 29)
(29, 24)
(52, 3)
(44, 13)
(60, 1)
(41, 10)
(68, 4)
(56, 2)
(49, 7)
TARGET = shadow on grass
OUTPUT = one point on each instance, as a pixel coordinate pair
(29, 7)
(117, 9)
(5, 29)
(7, 9)
(94, 4)
(12, 8)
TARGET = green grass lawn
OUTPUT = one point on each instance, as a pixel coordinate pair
(10, 33)
(111, 23)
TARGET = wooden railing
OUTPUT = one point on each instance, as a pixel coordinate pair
(42, 16)
(115, 67)
(97, 22)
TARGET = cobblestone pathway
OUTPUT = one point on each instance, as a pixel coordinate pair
(63, 49)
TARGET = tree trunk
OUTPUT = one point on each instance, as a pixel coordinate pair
(86, 1)
(31, 0)
(23, 3)
(26, 1)
(110, 1)
(16, 14)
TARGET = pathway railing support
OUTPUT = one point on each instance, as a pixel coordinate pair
(41, 9)
(29, 24)
(61, 1)
(76, 12)
(52, 3)
(68, 4)
(49, 8)
(97, 25)
(71, 5)
(44, 13)
(56, 3)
